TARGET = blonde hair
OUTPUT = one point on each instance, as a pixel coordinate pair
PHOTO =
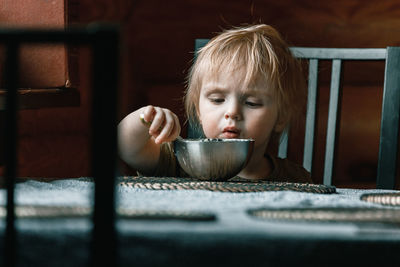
(264, 54)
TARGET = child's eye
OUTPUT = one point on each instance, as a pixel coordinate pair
(217, 100)
(253, 104)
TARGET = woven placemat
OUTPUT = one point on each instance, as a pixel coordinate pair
(173, 183)
(54, 212)
(391, 199)
(330, 214)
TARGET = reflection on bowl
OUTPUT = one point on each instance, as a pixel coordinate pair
(213, 159)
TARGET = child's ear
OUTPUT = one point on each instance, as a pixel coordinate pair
(280, 125)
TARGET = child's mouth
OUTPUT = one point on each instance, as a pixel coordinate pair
(230, 132)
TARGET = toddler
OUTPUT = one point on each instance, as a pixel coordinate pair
(245, 83)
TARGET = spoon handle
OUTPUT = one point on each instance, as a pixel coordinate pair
(146, 123)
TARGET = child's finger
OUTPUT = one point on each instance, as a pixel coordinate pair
(158, 121)
(176, 130)
(169, 123)
(148, 114)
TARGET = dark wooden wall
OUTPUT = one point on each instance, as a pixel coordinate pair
(157, 48)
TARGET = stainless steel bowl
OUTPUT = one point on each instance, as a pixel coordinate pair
(213, 159)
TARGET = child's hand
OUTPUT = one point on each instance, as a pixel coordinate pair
(163, 124)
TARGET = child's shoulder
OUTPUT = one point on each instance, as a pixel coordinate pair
(288, 171)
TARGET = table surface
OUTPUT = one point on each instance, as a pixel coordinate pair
(200, 227)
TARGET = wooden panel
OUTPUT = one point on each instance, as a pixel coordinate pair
(42, 66)
(48, 74)
(44, 98)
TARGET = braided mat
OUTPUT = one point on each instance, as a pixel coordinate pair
(391, 199)
(57, 212)
(330, 214)
(237, 186)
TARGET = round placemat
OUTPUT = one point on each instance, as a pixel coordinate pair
(166, 215)
(391, 199)
(52, 212)
(34, 211)
(329, 214)
(173, 183)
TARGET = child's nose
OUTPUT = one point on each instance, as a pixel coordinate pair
(233, 112)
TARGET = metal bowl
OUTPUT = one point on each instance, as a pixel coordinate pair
(213, 159)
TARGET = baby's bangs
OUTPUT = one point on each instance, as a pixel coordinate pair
(213, 61)
(229, 59)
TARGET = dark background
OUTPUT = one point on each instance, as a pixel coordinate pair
(157, 48)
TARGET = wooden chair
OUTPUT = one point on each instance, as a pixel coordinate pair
(388, 143)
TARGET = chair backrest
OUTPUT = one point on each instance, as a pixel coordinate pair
(388, 143)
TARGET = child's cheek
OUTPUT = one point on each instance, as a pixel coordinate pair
(210, 129)
(206, 131)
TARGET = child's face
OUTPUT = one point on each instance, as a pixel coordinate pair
(228, 110)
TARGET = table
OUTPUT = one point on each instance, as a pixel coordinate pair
(202, 227)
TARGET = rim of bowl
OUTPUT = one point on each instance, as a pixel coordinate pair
(212, 140)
